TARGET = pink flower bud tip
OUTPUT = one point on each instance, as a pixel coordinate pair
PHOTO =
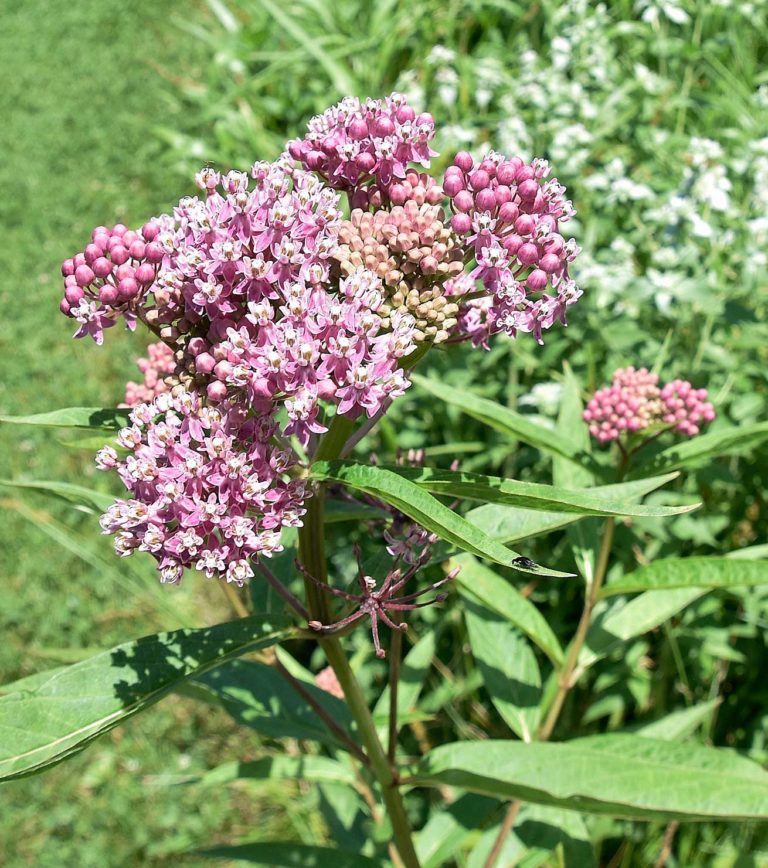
(464, 161)
(84, 275)
(108, 294)
(216, 391)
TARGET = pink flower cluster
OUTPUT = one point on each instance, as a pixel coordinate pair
(275, 314)
(159, 364)
(110, 278)
(354, 142)
(210, 490)
(635, 403)
(685, 408)
(511, 217)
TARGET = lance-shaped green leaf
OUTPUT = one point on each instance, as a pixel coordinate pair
(102, 418)
(480, 583)
(424, 509)
(47, 717)
(508, 666)
(617, 621)
(513, 425)
(622, 775)
(510, 524)
(723, 573)
(256, 695)
(706, 447)
(77, 494)
(678, 724)
(289, 854)
(528, 495)
(448, 829)
(318, 769)
(413, 673)
(571, 426)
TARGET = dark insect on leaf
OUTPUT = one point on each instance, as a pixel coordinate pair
(525, 563)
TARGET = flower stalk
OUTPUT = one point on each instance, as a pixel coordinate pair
(312, 554)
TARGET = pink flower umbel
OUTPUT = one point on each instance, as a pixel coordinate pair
(634, 403)
(275, 315)
(210, 490)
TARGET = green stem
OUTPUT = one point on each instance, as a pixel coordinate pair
(378, 759)
(567, 677)
(312, 554)
(569, 673)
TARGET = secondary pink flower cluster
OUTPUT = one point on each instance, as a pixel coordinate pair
(634, 403)
(511, 217)
(275, 313)
(110, 278)
(209, 487)
(354, 142)
(159, 364)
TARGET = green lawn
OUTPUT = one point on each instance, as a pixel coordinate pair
(82, 92)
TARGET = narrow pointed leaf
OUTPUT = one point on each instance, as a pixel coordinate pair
(448, 829)
(413, 673)
(527, 495)
(480, 583)
(621, 775)
(707, 446)
(616, 622)
(678, 724)
(289, 854)
(77, 494)
(257, 696)
(424, 509)
(103, 418)
(722, 573)
(510, 524)
(508, 666)
(49, 716)
(282, 767)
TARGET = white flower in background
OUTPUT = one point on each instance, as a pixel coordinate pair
(512, 136)
(458, 135)
(652, 11)
(652, 83)
(712, 188)
(759, 167)
(409, 85)
(561, 53)
(610, 279)
(703, 151)
(441, 55)
(489, 76)
(569, 147)
(447, 85)
(545, 397)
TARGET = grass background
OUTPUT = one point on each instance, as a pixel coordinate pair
(81, 92)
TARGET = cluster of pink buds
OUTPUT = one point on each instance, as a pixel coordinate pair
(635, 403)
(111, 277)
(353, 141)
(511, 216)
(686, 408)
(157, 368)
